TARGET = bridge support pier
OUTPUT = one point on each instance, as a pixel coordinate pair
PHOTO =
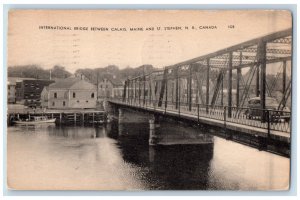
(121, 115)
(151, 154)
(153, 133)
(120, 121)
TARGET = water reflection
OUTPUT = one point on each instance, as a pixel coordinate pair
(169, 166)
(181, 166)
(117, 157)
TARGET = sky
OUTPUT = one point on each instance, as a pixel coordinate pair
(28, 43)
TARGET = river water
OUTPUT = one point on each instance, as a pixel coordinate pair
(118, 157)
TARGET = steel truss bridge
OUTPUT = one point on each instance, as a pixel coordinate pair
(211, 88)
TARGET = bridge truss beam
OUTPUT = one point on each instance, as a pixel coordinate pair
(180, 85)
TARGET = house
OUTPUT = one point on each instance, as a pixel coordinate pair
(11, 92)
(27, 90)
(110, 87)
(13, 83)
(44, 97)
(69, 93)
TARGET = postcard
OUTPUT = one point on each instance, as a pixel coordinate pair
(144, 100)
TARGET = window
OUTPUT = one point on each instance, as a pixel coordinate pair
(86, 101)
(74, 94)
(100, 86)
(64, 103)
(92, 95)
(77, 101)
(9, 87)
(55, 95)
(53, 103)
(106, 86)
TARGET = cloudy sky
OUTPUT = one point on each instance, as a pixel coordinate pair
(74, 49)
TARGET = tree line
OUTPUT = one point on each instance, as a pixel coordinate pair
(35, 71)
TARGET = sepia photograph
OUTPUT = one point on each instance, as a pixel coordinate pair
(147, 100)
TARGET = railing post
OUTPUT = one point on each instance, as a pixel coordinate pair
(198, 112)
(225, 117)
(179, 106)
(269, 125)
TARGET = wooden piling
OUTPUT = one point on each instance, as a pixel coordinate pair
(93, 117)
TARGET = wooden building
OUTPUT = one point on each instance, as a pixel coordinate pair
(70, 93)
(28, 90)
(11, 92)
(110, 87)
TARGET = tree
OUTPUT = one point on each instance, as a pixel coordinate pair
(59, 72)
(35, 71)
(28, 71)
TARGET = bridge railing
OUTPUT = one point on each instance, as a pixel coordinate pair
(274, 119)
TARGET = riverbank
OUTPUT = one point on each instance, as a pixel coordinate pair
(21, 109)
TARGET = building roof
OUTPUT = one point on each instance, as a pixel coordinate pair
(64, 83)
(114, 81)
(13, 80)
(71, 83)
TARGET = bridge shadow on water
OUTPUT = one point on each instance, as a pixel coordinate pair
(179, 166)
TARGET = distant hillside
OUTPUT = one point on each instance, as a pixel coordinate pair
(121, 74)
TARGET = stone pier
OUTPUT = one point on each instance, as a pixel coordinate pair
(120, 121)
(121, 115)
(153, 132)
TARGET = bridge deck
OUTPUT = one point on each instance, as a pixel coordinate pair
(279, 131)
